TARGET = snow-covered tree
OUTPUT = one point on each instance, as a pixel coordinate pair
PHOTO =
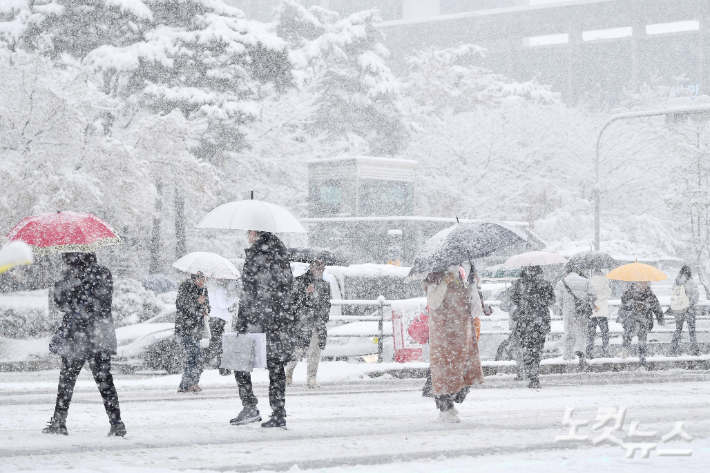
(345, 61)
(689, 191)
(57, 155)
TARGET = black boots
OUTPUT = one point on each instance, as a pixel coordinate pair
(56, 426)
(247, 416)
(275, 421)
(118, 429)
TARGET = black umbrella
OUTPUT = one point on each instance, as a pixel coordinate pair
(463, 242)
(590, 261)
(311, 255)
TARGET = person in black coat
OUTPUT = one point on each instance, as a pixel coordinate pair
(192, 305)
(265, 307)
(638, 307)
(311, 294)
(87, 334)
(533, 297)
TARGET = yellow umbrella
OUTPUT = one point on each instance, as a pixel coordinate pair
(13, 254)
(637, 272)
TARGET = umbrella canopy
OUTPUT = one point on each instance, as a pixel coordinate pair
(211, 265)
(637, 272)
(64, 232)
(311, 255)
(534, 258)
(252, 215)
(591, 260)
(463, 242)
(14, 254)
(499, 271)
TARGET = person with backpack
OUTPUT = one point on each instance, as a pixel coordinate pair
(684, 298)
(532, 296)
(575, 296)
(638, 306)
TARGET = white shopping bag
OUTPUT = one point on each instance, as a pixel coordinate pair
(234, 351)
(238, 353)
(259, 349)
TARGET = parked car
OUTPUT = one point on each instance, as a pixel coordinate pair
(150, 344)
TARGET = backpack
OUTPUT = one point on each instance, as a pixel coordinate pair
(679, 299)
(582, 308)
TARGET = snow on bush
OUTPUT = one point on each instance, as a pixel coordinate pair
(132, 303)
(24, 323)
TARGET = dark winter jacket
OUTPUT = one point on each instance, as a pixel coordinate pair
(532, 296)
(265, 305)
(84, 294)
(312, 309)
(640, 306)
(189, 320)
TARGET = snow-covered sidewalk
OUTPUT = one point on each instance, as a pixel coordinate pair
(379, 424)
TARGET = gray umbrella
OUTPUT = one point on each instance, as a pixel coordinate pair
(591, 260)
(463, 242)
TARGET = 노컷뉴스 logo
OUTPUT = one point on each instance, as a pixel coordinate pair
(609, 429)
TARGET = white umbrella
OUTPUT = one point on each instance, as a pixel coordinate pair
(14, 254)
(534, 258)
(211, 265)
(252, 215)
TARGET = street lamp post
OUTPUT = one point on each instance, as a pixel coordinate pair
(675, 112)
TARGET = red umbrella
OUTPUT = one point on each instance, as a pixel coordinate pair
(64, 232)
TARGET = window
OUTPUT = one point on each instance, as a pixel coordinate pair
(611, 33)
(331, 194)
(385, 198)
(325, 198)
(674, 27)
(546, 40)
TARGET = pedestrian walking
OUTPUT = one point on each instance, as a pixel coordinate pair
(193, 306)
(311, 303)
(600, 316)
(220, 300)
(265, 307)
(683, 307)
(574, 302)
(638, 307)
(455, 361)
(513, 343)
(84, 294)
(533, 297)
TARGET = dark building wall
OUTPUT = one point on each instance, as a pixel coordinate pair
(578, 68)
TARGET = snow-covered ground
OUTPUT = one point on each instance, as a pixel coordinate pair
(352, 424)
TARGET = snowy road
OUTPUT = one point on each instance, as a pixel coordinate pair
(377, 424)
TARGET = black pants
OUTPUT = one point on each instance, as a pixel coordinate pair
(687, 316)
(214, 350)
(532, 343)
(603, 324)
(277, 389)
(638, 327)
(100, 365)
(444, 402)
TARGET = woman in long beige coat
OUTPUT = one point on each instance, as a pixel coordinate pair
(454, 357)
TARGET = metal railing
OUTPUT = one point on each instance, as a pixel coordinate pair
(379, 315)
(380, 303)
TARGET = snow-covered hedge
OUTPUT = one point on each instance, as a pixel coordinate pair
(24, 323)
(132, 303)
